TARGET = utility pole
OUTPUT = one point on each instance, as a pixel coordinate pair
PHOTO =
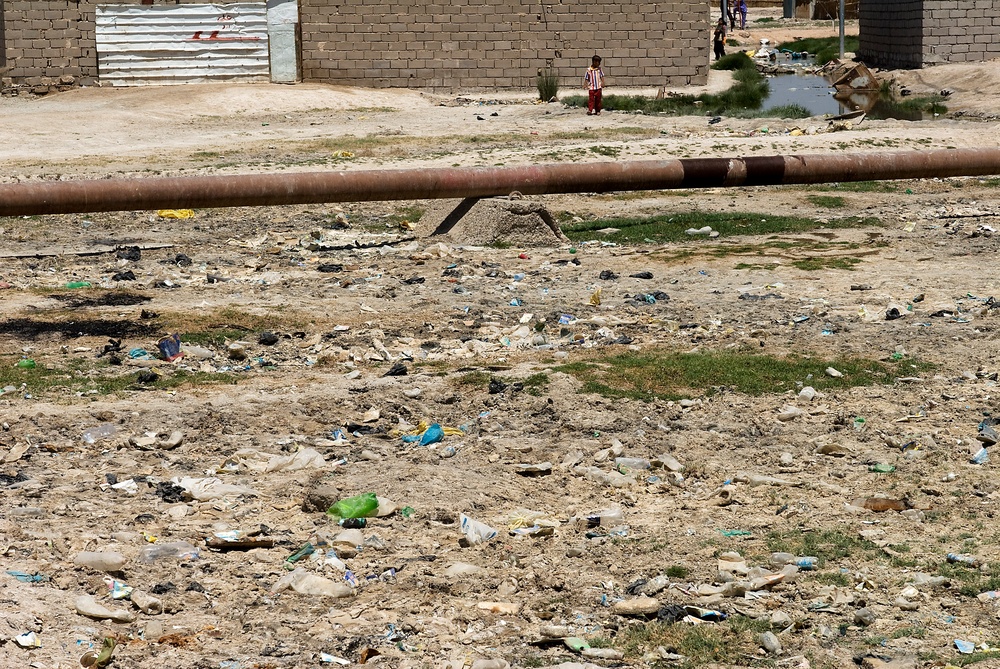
(842, 29)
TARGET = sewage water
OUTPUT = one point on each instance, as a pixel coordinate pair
(807, 90)
(814, 92)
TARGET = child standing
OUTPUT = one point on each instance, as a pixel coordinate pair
(593, 81)
(719, 39)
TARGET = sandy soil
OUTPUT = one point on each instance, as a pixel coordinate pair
(444, 312)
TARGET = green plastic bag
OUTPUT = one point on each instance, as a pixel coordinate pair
(359, 506)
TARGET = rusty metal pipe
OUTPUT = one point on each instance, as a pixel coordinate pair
(64, 197)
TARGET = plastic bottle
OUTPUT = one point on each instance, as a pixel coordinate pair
(806, 563)
(180, 550)
(95, 434)
(78, 284)
(968, 560)
(26, 363)
(605, 518)
(100, 560)
(632, 463)
(360, 506)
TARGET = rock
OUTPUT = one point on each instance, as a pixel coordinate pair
(175, 439)
(462, 569)
(100, 560)
(505, 608)
(640, 606)
(490, 664)
(321, 498)
(864, 617)
(770, 643)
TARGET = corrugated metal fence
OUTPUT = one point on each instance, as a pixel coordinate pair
(182, 44)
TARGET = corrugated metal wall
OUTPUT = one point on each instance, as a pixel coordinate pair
(182, 44)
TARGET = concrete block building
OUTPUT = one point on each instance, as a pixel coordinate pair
(429, 44)
(443, 44)
(915, 33)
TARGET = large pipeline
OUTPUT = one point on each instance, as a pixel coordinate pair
(65, 197)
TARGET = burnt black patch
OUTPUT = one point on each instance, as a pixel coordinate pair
(113, 299)
(28, 328)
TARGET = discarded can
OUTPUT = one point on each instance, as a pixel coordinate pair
(968, 560)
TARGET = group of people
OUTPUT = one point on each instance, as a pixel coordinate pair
(731, 10)
(593, 78)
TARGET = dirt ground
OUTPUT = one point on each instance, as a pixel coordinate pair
(341, 318)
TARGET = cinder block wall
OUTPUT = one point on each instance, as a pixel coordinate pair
(53, 38)
(49, 38)
(914, 33)
(958, 31)
(890, 33)
(502, 44)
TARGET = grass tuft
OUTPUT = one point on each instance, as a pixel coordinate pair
(671, 227)
(670, 375)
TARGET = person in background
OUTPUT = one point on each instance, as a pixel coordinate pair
(729, 11)
(593, 81)
(743, 14)
(719, 38)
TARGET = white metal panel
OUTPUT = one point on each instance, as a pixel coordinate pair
(282, 12)
(182, 44)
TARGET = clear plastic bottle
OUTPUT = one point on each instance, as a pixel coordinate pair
(179, 550)
(605, 518)
(804, 562)
(99, 433)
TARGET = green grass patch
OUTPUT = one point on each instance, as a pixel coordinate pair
(671, 375)
(966, 660)
(860, 187)
(836, 578)
(816, 264)
(786, 111)
(971, 581)
(602, 150)
(910, 632)
(764, 266)
(727, 643)
(825, 545)
(477, 379)
(742, 99)
(671, 227)
(677, 571)
(88, 377)
(827, 201)
(824, 48)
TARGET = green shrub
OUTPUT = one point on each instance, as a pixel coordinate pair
(548, 85)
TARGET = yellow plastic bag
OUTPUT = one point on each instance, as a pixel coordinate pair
(175, 213)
